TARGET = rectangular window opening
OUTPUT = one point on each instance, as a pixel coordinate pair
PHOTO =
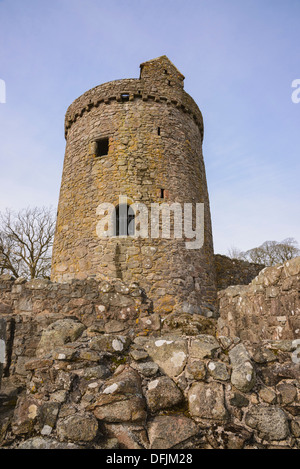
(162, 193)
(158, 130)
(102, 147)
(125, 96)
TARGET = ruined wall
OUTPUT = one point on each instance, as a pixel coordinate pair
(2, 345)
(234, 271)
(89, 365)
(30, 307)
(267, 308)
(155, 132)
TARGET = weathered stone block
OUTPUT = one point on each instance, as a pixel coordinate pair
(170, 353)
(79, 427)
(218, 370)
(243, 375)
(59, 333)
(162, 393)
(271, 422)
(288, 393)
(147, 369)
(121, 399)
(127, 436)
(206, 401)
(204, 346)
(195, 370)
(166, 432)
(25, 416)
(110, 343)
(118, 408)
(268, 395)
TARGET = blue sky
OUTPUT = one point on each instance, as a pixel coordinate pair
(239, 59)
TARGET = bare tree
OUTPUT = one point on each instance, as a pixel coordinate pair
(235, 253)
(270, 252)
(287, 249)
(26, 240)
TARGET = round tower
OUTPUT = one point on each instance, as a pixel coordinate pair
(134, 144)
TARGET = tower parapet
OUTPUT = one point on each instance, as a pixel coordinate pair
(159, 81)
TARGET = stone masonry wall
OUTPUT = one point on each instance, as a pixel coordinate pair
(234, 271)
(89, 365)
(267, 308)
(30, 307)
(2, 345)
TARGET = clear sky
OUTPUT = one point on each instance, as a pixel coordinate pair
(239, 58)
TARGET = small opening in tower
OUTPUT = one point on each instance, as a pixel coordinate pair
(102, 147)
(158, 130)
(125, 96)
(166, 72)
(169, 83)
(162, 193)
(124, 220)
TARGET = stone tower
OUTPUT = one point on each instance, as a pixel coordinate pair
(140, 139)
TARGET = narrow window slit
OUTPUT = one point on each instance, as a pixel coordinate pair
(102, 147)
(125, 220)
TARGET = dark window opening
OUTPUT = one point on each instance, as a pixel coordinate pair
(158, 130)
(102, 147)
(125, 97)
(166, 72)
(162, 193)
(169, 83)
(125, 221)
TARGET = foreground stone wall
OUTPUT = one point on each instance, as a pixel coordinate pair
(30, 307)
(267, 308)
(89, 389)
(89, 365)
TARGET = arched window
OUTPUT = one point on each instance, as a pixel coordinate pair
(125, 220)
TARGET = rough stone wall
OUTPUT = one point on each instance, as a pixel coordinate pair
(30, 307)
(2, 345)
(234, 271)
(89, 365)
(138, 165)
(267, 308)
(89, 389)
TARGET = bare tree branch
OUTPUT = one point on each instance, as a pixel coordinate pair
(26, 240)
(270, 252)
